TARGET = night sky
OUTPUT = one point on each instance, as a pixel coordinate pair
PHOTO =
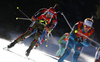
(74, 10)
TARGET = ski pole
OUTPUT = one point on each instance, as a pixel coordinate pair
(24, 15)
(51, 35)
(94, 46)
(66, 20)
(79, 32)
(55, 6)
(22, 12)
(23, 18)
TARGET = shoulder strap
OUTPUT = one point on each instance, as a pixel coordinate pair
(80, 25)
(90, 32)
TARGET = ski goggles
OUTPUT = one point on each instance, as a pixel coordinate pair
(50, 13)
(87, 27)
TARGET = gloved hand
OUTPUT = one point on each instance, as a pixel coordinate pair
(33, 18)
(81, 39)
(77, 39)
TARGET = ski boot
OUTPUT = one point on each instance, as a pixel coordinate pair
(27, 52)
(9, 46)
(33, 43)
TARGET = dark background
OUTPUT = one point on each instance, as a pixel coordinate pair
(74, 10)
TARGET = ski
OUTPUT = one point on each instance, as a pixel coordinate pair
(27, 58)
(53, 57)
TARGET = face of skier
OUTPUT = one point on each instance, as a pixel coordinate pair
(49, 15)
(86, 28)
(88, 22)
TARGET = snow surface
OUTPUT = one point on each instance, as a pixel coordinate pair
(43, 54)
(19, 49)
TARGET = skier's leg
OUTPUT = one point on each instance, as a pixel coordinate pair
(77, 50)
(62, 51)
(65, 55)
(33, 43)
(67, 51)
(40, 41)
(29, 31)
(30, 47)
(58, 53)
(63, 48)
(42, 37)
(20, 38)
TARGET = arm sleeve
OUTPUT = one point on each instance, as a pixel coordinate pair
(86, 43)
(60, 40)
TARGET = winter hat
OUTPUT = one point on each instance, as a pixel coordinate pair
(52, 10)
(88, 22)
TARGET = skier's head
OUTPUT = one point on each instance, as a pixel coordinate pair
(67, 34)
(51, 12)
(88, 22)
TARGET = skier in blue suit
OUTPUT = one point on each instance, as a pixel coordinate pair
(63, 40)
(78, 41)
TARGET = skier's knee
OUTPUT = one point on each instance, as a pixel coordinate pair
(31, 29)
(33, 43)
(34, 40)
(20, 38)
(76, 55)
(23, 38)
(39, 32)
(67, 52)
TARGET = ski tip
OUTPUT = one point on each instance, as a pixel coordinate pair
(17, 7)
(5, 48)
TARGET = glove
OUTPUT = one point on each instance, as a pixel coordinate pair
(81, 39)
(77, 39)
(33, 18)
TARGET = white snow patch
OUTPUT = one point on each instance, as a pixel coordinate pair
(19, 49)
